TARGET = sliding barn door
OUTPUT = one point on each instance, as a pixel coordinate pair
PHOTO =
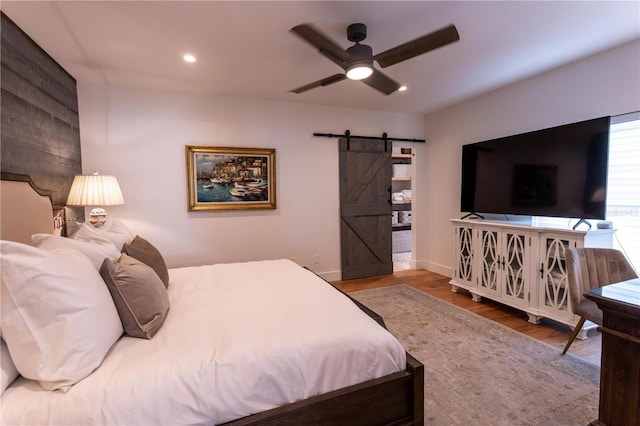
(365, 208)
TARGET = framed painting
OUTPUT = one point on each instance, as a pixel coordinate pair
(222, 178)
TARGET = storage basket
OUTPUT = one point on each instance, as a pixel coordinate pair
(404, 217)
(401, 170)
(401, 241)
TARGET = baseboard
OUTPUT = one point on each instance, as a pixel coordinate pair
(420, 264)
(434, 267)
(331, 275)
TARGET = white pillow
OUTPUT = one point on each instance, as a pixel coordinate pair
(9, 372)
(89, 233)
(115, 225)
(58, 318)
(97, 251)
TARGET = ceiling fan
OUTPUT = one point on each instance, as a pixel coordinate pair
(357, 60)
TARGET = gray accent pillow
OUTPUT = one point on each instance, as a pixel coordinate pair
(138, 293)
(145, 252)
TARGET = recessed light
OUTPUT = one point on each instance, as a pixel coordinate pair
(189, 58)
(402, 89)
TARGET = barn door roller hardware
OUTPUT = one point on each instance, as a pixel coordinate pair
(384, 136)
(347, 135)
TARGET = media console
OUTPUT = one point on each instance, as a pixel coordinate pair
(520, 265)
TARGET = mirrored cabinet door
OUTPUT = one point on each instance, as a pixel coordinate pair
(553, 275)
(490, 268)
(515, 263)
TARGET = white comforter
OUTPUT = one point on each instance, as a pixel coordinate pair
(239, 339)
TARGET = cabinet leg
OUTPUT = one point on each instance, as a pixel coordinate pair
(476, 297)
(534, 319)
(588, 325)
(582, 335)
(455, 289)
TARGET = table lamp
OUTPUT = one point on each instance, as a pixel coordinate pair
(95, 190)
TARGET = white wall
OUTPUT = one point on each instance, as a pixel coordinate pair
(139, 135)
(604, 84)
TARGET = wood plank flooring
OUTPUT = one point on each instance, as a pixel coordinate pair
(550, 332)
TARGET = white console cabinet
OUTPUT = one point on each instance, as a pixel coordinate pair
(520, 265)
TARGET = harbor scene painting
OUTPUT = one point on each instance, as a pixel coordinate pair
(221, 178)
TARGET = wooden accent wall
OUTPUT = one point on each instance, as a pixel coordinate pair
(40, 133)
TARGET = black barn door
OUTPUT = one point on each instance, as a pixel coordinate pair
(365, 208)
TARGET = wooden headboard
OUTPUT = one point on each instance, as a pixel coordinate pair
(26, 209)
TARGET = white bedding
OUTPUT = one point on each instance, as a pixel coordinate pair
(239, 339)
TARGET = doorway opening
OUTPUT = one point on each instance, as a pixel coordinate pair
(402, 157)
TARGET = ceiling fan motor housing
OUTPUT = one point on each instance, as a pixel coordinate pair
(356, 32)
(361, 53)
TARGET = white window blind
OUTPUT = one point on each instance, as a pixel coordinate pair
(623, 187)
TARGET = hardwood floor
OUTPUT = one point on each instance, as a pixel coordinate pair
(550, 332)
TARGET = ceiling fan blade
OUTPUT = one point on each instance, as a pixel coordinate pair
(320, 83)
(333, 58)
(418, 46)
(314, 37)
(379, 81)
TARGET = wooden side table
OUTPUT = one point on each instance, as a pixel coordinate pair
(620, 365)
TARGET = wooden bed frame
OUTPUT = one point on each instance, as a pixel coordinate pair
(395, 399)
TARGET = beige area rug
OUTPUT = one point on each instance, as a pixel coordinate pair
(479, 372)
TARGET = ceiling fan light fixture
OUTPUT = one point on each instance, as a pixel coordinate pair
(357, 60)
(359, 71)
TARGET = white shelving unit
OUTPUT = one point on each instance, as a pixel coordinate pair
(401, 201)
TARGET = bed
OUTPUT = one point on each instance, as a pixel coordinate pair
(264, 342)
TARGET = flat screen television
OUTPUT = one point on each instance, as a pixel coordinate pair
(558, 172)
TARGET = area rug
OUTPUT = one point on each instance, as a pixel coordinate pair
(479, 372)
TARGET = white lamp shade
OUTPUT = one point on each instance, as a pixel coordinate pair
(95, 190)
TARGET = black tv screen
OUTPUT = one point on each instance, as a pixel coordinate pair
(559, 171)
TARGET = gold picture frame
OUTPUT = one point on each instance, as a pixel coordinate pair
(227, 178)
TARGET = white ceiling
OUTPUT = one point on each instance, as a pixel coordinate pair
(245, 49)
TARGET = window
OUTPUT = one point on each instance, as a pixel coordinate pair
(623, 188)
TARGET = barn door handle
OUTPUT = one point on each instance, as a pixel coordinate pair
(389, 189)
